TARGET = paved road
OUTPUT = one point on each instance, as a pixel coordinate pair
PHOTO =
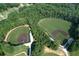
(68, 43)
(30, 43)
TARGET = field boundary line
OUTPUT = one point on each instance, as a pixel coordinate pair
(20, 53)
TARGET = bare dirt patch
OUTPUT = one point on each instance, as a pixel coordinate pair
(23, 38)
(57, 52)
(54, 33)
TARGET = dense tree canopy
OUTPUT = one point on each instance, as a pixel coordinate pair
(5, 6)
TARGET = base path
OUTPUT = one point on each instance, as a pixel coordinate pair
(20, 53)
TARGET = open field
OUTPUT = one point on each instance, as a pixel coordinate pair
(76, 53)
(15, 50)
(56, 28)
(74, 49)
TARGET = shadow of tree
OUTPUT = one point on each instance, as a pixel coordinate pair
(73, 32)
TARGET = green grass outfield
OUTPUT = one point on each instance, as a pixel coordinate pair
(52, 24)
(74, 53)
(16, 33)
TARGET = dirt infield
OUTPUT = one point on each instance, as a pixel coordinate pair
(54, 33)
(23, 38)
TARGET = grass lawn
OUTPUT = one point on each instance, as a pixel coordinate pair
(51, 25)
(14, 50)
(18, 34)
(74, 53)
(74, 49)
